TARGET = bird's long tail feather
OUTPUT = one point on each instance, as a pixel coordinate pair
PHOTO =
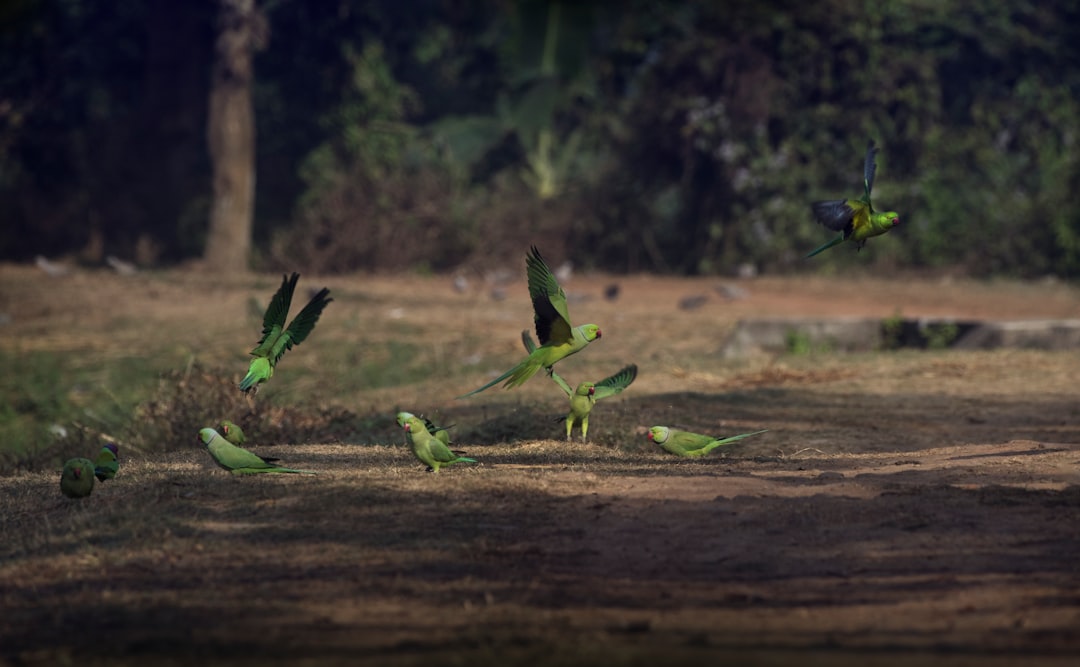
(725, 441)
(254, 471)
(836, 241)
(513, 377)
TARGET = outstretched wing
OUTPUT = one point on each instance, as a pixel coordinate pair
(869, 168)
(835, 214)
(549, 302)
(613, 384)
(274, 317)
(302, 324)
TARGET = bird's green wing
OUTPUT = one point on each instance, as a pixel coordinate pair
(276, 312)
(549, 302)
(688, 441)
(106, 465)
(301, 325)
(613, 384)
(530, 347)
(869, 168)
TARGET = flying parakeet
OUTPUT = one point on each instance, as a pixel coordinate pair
(233, 433)
(431, 451)
(585, 396)
(107, 462)
(557, 338)
(240, 461)
(685, 443)
(855, 219)
(77, 480)
(276, 338)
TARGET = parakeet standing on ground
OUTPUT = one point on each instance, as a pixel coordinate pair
(240, 461)
(855, 219)
(107, 462)
(585, 396)
(441, 433)
(685, 443)
(232, 433)
(431, 451)
(77, 480)
(557, 338)
(276, 338)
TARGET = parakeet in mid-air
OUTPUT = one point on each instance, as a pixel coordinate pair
(431, 451)
(77, 480)
(240, 461)
(685, 443)
(855, 219)
(585, 396)
(233, 433)
(107, 462)
(276, 338)
(557, 338)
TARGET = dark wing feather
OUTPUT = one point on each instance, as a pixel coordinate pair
(835, 214)
(278, 309)
(548, 300)
(869, 168)
(303, 323)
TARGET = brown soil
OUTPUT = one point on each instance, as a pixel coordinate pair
(914, 507)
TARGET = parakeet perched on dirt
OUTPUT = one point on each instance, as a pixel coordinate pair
(685, 443)
(558, 339)
(240, 461)
(233, 433)
(276, 338)
(77, 479)
(107, 462)
(431, 451)
(855, 219)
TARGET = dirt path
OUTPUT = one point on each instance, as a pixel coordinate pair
(908, 508)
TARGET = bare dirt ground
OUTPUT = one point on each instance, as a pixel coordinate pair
(905, 507)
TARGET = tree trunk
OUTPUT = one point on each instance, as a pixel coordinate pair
(231, 135)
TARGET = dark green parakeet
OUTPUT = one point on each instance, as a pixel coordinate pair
(558, 339)
(240, 461)
(685, 443)
(276, 338)
(431, 451)
(855, 219)
(77, 479)
(233, 433)
(107, 462)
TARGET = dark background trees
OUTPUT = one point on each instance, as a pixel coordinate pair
(641, 135)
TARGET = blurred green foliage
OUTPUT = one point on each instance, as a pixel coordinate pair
(683, 137)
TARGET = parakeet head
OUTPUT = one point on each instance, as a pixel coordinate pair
(585, 389)
(207, 434)
(403, 418)
(112, 448)
(590, 331)
(658, 434)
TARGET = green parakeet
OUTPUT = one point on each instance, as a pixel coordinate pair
(77, 480)
(276, 338)
(431, 451)
(585, 396)
(552, 319)
(233, 433)
(684, 443)
(441, 433)
(855, 219)
(240, 461)
(107, 462)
